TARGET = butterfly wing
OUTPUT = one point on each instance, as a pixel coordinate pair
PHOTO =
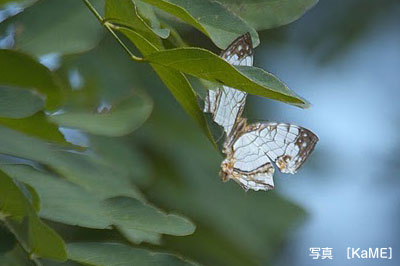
(287, 145)
(226, 104)
(250, 154)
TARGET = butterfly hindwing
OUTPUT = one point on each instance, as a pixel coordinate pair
(287, 145)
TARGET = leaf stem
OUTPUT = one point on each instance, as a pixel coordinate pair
(108, 26)
(19, 242)
(37, 262)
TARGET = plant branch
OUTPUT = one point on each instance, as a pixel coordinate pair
(108, 26)
(20, 243)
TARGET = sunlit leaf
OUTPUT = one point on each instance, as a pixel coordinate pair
(118, 120)
(203, 64)
(105, 254)
(266, 14)
(209, 17)
(20, 70)
(55, 26)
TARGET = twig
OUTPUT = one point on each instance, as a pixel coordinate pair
(109, 28)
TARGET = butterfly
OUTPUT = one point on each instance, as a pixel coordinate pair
(250, 149)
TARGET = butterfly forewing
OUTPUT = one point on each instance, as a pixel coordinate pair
(226, 104)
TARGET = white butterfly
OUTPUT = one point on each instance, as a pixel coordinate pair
(249, 149)
(226, 105)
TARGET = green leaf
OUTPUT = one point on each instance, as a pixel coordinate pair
(62, 201)
(138, 236)
(34, 197)
(44, 241)
(19, 103)
(266, 14)
(121, 119)
(15, 257)
(20, 70)
(67, 203)
(36, 126)
(174, 80)
(66, 263)
(210, 17)
(88, 76)
(3, 3)
(146, 11)
(125, 13)
(79, 168)
(128, 160)
(93, 174)
(174, 40)
(36, 237)
(12, 202)
(204, 64)
(55, 26)
(106, 254)
(131, 213)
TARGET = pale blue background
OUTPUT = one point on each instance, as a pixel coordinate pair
(350, 187)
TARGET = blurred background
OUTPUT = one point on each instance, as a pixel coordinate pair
(344, 57)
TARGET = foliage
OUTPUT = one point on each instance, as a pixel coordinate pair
(78, 185)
